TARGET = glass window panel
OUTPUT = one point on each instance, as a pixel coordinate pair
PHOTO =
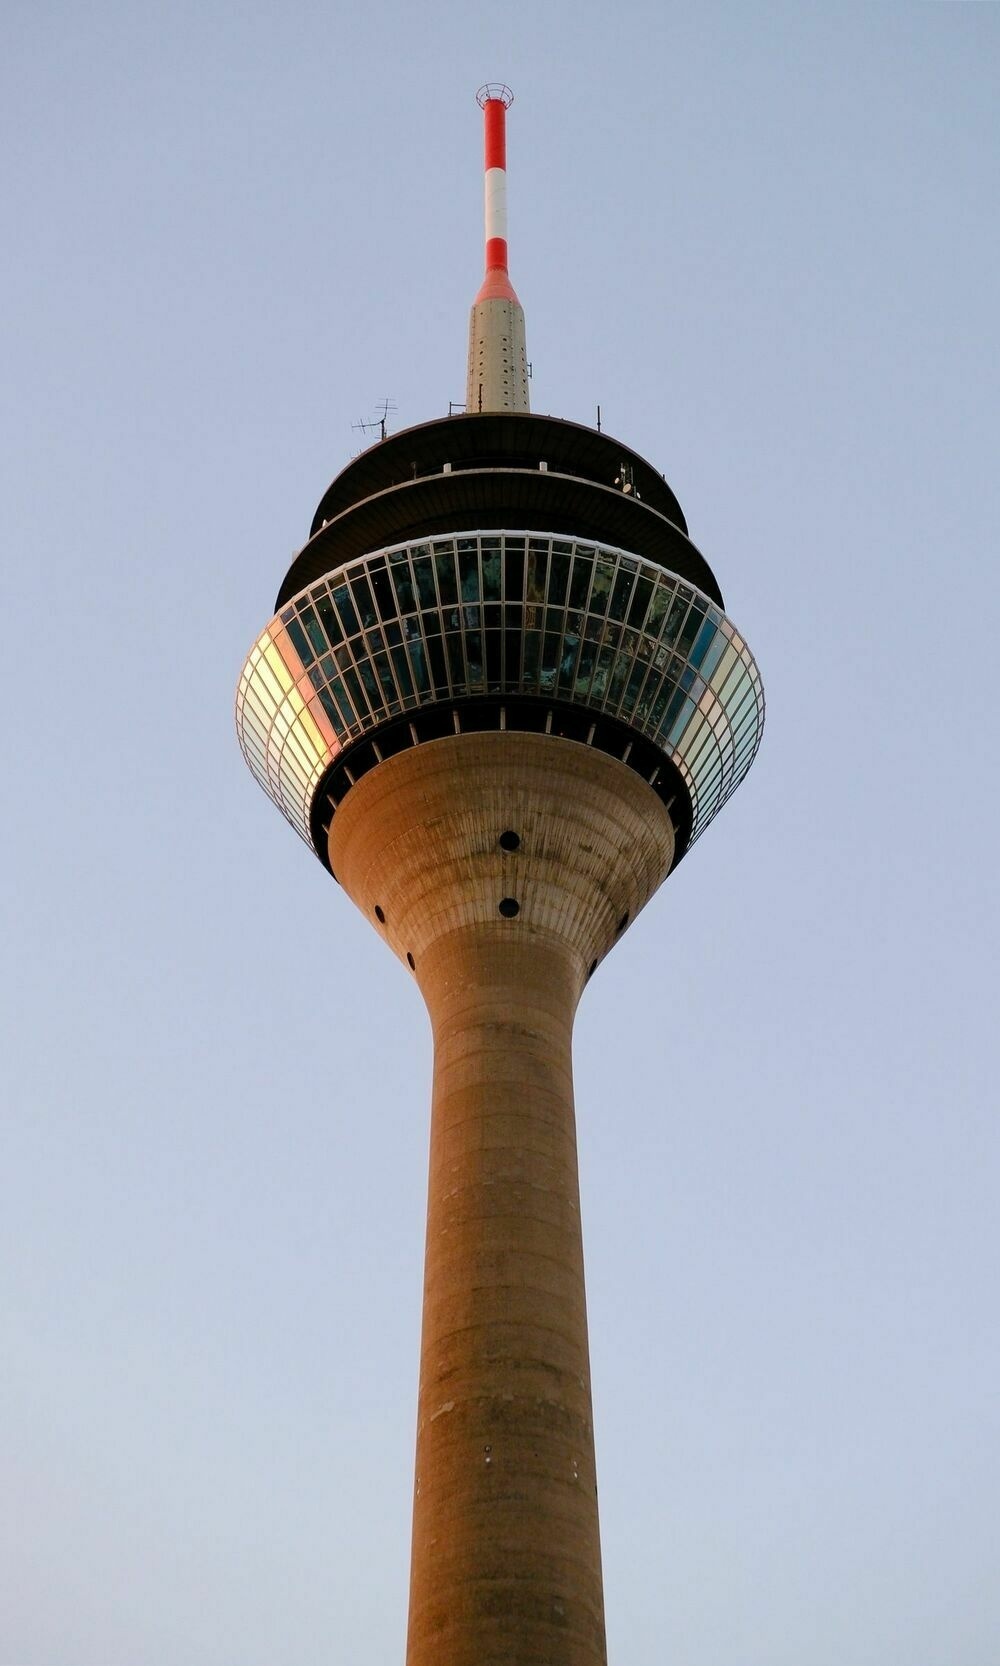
(600, 589)
(418, 664)
(662, 594)
(393, 633)
(313, 628)
(402, 671)
(675, 614)
(491, 572)
(424, 575)
(550, 661)
(558, 575)
(345, 607)
(444, 563)
(353, 684)
(339, 693)
(468, 567)
(389, 691)
(640, 599)
(680, 721)
(331, 708)
(302, 647)
(689, 629)
(602, 674)
(513, 571)
(620, 594)
(537, 570)
(385, 596)
(331, 624)
(617, 683)
(403, 584)
(456, 664)
(632, 689)
(493, 658)
(439, 674)
(512, 653)
(531, 645)
(362, 598)
(713, 654)
(706, 635)
(567, 665)
(580, 582)
(374, 693)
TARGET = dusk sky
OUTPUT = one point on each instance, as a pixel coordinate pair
(764, 239)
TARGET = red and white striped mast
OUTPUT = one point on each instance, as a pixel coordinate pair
(498, 361)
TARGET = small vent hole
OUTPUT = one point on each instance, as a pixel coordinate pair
(509, 840)
(509, 906)
(380, 917)
(622, 923)
(411, 963)
(592, 968)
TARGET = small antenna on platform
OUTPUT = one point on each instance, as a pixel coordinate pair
(386, 408)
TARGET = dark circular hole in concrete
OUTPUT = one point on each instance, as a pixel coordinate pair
(509, 840)
(622, 923)
(380, 917)
(509, 906)
(411, 963)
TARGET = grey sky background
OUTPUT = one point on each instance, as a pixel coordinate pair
(765, 240)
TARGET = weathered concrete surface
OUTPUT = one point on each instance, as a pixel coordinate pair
(506, 1549)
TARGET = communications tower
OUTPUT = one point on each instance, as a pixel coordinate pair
(500, 699)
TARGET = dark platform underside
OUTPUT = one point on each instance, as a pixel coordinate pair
(517, 713)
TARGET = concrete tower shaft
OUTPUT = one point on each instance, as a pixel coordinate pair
(499, 867)
(497, 377)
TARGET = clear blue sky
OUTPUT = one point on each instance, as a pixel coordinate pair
(765, 240)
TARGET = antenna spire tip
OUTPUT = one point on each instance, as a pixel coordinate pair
(494, 90)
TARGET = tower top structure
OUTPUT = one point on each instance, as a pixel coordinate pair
(498, 362)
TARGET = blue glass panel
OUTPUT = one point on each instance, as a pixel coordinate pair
(713, 654)
(680, 722)
(701, 642)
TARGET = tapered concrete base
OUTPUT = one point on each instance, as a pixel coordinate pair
(506, 1550)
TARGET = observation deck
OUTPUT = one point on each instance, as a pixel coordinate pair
(499, 629)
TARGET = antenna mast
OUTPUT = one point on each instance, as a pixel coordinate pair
(498, 360)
